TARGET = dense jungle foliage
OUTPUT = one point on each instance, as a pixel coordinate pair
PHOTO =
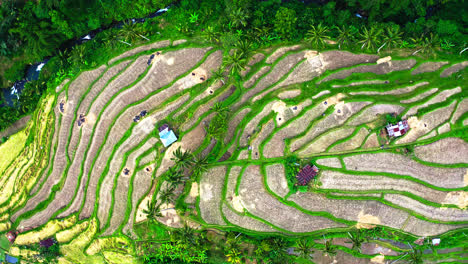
(33, 30)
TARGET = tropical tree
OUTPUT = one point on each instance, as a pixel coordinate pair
(238, 17)
(234, 256)
(357, 239)
(425, 44)
(236, 61)
(218, 75)
(218, 107)
(391, 38)
(182, 159)
(152, 211)
(200, 165)
(77, 55)
(415, 257)
(304, 248)
(318, 35)
(330, 249)
(244, 47)
(211, 34)
(344, 36)
(285, 22)
(370, 38)
(131, 31)
(174, 176)
(167, 195)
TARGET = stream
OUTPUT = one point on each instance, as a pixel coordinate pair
(33, 71)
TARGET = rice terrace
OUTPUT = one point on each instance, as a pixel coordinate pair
(359, 151)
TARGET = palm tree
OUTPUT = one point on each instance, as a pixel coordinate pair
(174, 176)
(183, 159)
(356, 239)
(211, 34)
(425, 44)
(344, 36)
(218, 107)
(392, 38)
(152, 211)
(236, 61)
(317, 35)
(415, 257)
(370, 38)
(330, 249)
(238, 17)
(218, 75)
(304, 248)
(244, 47)
(131, 31)
(77, 55)
(200, 165)
(167, 195)
(234, 256)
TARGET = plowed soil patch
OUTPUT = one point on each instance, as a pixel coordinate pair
(444, 151)
(211, 186)
(402, 165)
(260, 203)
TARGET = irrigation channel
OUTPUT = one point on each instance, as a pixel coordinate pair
(33, 71)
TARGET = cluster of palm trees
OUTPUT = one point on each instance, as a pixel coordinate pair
(373, 38)
(185, 164)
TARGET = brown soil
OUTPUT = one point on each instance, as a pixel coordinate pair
(329, 162)
(256, 76)
(257, 201)
(453, 69)
(76, 89)
(399, 164)
(440, 97)
(322, 142)
(87, 101)
(178, 42)
(245, 221)
(429, 66)
(398, 91)
(256, 59)
(348, 182)
(280, 69)
(234, 122)
(362, 211)
(156, 45)
(262, 135)
(380, 69)
(335, 59)
(280, 52)
(444, 151)
(289, 94)
(211, 186)
(353, 143)
(141, 185)
(422, 228)
(426, 123)
(372, 113)
(436, 213)
(121, 191)
(249, 129)
(420, 96)
(342, 112)
(276, 145)
(320, 94)
(276, 179)
(360, 83)
(162, 72)
(461, 109)
(232, 176)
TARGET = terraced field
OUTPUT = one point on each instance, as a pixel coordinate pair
(87, 182)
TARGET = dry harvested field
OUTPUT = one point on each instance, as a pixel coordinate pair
(96, 159)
